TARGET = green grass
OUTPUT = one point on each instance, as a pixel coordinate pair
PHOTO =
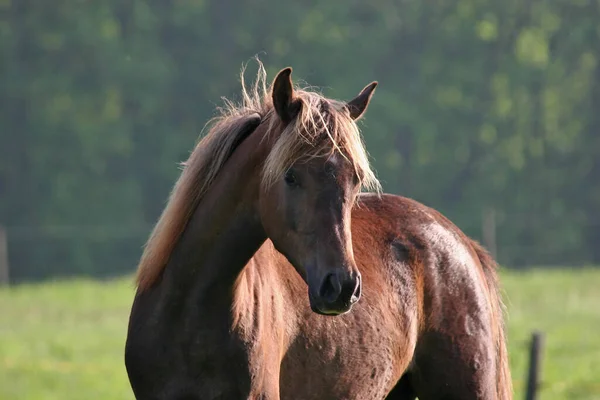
(65, 340)
(565, 305)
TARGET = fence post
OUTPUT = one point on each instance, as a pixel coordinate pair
(488, 227)
(4, 270)
(535, 358)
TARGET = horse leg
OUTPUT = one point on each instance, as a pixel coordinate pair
(270, 392)
(403, 390)
(266, 375)
(454, 367)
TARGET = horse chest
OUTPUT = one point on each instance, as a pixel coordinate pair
(341, 362)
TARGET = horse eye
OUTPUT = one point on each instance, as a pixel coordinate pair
(355, 179)
(290, 178)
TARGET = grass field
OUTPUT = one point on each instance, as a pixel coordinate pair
(65, 340)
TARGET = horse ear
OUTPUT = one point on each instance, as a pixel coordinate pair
(283, 96)
(358, 105)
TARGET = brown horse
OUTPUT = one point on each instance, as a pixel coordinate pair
(400, 302)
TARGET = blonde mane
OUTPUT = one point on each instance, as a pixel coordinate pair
(322, 127)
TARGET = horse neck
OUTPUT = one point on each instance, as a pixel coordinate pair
(224, 231)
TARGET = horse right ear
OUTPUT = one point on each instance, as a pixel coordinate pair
(284, 102)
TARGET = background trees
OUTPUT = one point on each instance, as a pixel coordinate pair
(481, 105)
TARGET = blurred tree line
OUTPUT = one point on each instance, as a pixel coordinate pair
(482, 104)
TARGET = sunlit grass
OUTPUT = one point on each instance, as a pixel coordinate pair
(565, 306)
(65, 340)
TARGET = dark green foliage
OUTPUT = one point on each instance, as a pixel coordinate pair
(480, 104)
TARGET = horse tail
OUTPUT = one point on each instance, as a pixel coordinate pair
(504, 387)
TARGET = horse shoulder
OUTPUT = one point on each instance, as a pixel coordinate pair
(456, 339)
(426, 250)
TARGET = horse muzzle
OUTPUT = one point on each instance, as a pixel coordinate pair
(335, 294)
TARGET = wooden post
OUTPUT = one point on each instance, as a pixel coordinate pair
(535, 358)
(4, 270)
(488, 227)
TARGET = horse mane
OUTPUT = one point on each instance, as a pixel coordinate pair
(322, 127)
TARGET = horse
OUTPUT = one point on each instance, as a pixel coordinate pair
(279, 269)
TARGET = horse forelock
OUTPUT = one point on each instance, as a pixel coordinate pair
(322, 127)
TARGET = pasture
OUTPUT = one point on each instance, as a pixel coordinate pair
(64, 340)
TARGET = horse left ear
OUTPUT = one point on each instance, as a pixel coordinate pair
(358, 105)
(286, 106)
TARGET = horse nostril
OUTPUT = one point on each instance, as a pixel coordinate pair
(356, 294)
(330, 288)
